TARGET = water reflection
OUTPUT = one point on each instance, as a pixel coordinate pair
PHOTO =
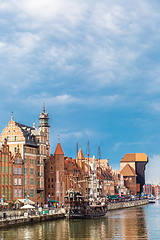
(119, 224)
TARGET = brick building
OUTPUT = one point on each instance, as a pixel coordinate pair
(17, 176)
(6, 168)
(34, 147)
(132, 168)
(54, 176)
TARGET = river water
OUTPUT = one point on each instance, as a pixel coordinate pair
(132, 223)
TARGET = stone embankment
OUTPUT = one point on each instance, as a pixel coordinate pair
(14, 219)
(121, 205)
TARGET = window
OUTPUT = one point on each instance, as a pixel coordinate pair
(6, 180)
(30, 161)
(31, 181)
(15, 193)
(2, 180)
(31, 192)
(15, 138)
(25, 170)
(2, 191)
(25, 192)
(35, 161)
(18, 161)
(25, 160)
(52, 185)
(19, 181)
(31, 171)
(38, 182)
(2, 169)
(15, 149)
(48, 179)
(10, 170)
(9, 180)
(19, 192)
(7, 138)
(6, 194)
(32, 150)
(38, 173)
(52, 179)
(15, 181)
(35, 172)
(25, 181)
(48, 186)
(2, 159)
(9, 194)
(15, 170)
(25, 150)
(6, 159)
(20, 172)
(37, 140)
(6, 169)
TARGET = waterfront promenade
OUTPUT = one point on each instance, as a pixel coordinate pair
(19, 217)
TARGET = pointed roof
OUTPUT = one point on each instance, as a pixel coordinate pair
(80, 154)
(59, 149)
(128, 171)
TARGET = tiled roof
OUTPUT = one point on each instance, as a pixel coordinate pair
(128, 171)
(59, 149)
(135, 157)
(27, 133)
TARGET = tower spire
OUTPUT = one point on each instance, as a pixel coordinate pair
(12, 116)
(43, 107)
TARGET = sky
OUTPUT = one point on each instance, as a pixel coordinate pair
(95, 64)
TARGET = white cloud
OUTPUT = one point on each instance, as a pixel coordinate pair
(152, 169)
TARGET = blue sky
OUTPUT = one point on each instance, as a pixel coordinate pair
(95, 63)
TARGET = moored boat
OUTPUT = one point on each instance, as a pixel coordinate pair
(151, 200)
(79, 208)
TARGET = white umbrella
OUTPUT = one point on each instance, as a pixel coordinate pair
(27, 206)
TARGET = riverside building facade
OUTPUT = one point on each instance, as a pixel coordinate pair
(33, 146)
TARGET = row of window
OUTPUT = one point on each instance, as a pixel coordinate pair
(31, 192)
(18, 193)
(5, 169)
(4, 159)
(15, 138)
(18, 171)
(6, 193)
(7, 180)
(17, 181)
(49, 179)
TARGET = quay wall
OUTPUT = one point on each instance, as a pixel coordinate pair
(120, 205)
(8, 222)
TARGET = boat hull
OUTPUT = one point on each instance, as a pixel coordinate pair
(70, 216)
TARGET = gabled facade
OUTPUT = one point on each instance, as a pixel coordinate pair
(132, 168)
(54, 176)
(34, 148)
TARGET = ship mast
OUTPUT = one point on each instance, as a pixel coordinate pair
(99, 167)
(88, 174)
